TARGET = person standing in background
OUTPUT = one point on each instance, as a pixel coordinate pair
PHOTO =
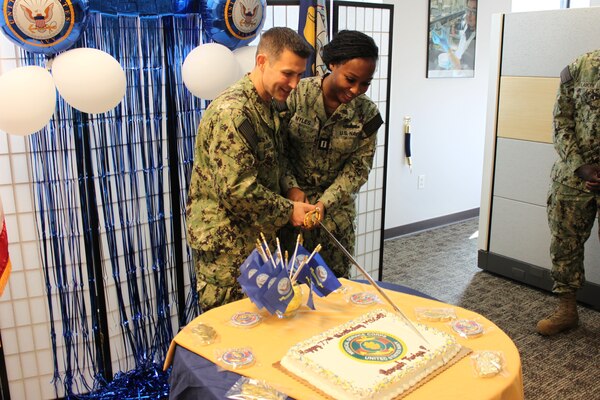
(234, 192)
(574, 196)
(330, 143)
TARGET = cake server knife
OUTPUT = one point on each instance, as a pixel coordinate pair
(372, 281)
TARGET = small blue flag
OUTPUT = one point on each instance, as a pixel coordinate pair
(264, 280)
(248, 282)
(279, 292)
(249, 272)
(304, 275)
(310, 302)
(316, 272)
(253, 260)
(322, 277)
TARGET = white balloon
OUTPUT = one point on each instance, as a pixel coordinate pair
(209, 69)
(246, 57)
(27, 100)
(90, 80)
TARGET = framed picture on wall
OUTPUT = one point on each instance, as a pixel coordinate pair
(452, 35)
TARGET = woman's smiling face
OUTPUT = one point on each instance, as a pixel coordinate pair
(350, 79)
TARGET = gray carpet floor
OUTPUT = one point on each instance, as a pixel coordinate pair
(442, 262)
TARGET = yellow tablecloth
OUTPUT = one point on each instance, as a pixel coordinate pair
(270, 340)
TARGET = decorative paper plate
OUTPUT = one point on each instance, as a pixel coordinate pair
(245, 319)
(467, 327)
(364, 298)
(238, 358)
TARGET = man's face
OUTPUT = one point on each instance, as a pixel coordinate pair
(472, 14)
(280, 76)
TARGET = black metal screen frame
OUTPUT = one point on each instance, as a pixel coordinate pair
(390, 7)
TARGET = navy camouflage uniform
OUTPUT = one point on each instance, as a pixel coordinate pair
(234, 191)
(329, 159)
(572, 208)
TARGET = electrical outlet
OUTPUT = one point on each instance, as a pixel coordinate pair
(421, 182)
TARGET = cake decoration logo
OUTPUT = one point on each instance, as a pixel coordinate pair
(373, 347)
(43, 20)
(243, 17)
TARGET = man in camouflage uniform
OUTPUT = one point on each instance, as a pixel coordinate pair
(574, 196)
(234, 192)
(330, 144)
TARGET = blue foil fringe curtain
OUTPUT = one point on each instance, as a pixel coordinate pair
(110, 215)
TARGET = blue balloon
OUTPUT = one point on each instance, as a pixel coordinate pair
(233, 23)
(47, 27)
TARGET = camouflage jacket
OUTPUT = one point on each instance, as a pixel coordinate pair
(234, 190)
(577, 119)
(330, 158)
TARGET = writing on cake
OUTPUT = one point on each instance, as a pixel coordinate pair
(375, 356)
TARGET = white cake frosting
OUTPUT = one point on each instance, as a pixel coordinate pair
(375, 356)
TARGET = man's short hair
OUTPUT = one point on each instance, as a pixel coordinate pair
(274, 41)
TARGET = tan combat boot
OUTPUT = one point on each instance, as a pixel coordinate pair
(565, 317)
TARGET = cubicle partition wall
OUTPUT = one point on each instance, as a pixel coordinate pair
(531, 50)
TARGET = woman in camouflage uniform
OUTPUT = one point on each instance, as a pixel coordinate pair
(330, 143)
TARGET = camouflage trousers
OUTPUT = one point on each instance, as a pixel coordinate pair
(571, 215)
(216, 274)
(340, 222)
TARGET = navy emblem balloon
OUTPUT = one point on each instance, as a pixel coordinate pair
(44, 26)
(233, 23)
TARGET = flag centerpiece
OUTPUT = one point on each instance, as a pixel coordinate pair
(268, 279)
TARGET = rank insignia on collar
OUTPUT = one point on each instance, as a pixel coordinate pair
(323, 143)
